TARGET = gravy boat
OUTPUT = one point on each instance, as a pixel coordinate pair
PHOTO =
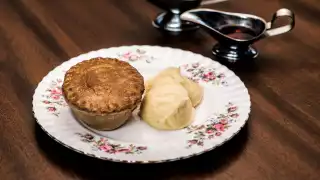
(236, 32)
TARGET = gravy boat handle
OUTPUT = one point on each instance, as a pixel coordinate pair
(283, 29)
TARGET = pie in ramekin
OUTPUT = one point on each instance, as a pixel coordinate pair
(103, 92)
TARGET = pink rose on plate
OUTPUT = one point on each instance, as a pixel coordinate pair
(52, 109)
(105, 147)
(212, 77)
(56, 91)
(46, 102)
(219, 127)
(56, 97)
(209, 131)
(126, 55)
(205, 75)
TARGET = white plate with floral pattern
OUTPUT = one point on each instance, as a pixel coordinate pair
(223, 112)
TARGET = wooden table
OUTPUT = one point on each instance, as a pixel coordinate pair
(281, 140)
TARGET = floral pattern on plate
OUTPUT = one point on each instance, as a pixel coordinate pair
(216, 126)
(197, 72)
(102, 144)
(137, 143)
(136, 55)
(54, 99)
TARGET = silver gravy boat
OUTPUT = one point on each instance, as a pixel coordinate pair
(236, 32)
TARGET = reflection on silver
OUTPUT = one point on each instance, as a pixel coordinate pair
(170, 21)
(208, 2)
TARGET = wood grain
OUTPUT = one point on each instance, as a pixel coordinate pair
(280, 141)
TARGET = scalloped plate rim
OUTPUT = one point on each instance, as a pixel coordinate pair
(149, 161)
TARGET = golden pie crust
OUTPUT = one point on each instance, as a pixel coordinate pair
(103, 92)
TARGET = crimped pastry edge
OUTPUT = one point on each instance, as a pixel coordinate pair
(138, 100)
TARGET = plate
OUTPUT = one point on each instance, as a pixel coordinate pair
(223, 112)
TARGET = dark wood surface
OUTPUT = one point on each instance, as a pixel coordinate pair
(281, 140)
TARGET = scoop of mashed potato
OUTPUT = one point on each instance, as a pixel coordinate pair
(170, 100)
(195, 91)
(167, 106)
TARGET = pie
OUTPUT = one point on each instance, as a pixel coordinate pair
(103, 92)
